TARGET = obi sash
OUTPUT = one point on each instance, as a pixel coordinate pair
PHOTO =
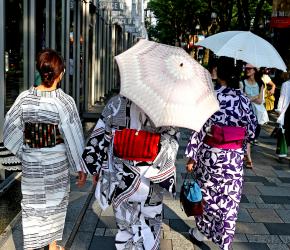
(131, 144)
(41, 135)
(225, 137)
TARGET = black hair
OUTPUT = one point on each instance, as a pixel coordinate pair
(227, 71)
(49, 65)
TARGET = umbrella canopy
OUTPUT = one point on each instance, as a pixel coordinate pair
(246, 46)
(169, 85)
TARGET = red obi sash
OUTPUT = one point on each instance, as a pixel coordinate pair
(226, 137)
(131, 144)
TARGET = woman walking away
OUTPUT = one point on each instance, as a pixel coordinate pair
(43, 129)
(216, 156)
(283, 107)
(132, 175)
(253, 87)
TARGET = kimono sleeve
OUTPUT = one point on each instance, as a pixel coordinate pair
(71, 128)
(195, 142)
(14, 127)
(282, 99)
(163, 167)
(248, 117)
(95, 154)
(169, 146)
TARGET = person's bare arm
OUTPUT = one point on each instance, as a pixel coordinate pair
(258, 99)
(273, 87)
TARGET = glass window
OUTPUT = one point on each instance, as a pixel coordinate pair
(13, 50)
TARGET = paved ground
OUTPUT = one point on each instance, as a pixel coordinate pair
(263, 223)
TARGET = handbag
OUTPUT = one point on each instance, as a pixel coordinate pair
(282, 148)
(137, 145)
(261, 113)
(191, 197)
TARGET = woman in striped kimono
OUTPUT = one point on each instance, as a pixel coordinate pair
(43, 129)
(218, 164)
(134, 188)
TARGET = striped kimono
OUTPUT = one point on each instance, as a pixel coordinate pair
(219, 172)
(134, 189)
(45, 171)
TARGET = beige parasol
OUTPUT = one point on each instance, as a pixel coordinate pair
(168, 84)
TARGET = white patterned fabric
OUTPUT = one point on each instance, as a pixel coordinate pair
(8, 161)
(45, 171)
(283, 102)
(133, 188)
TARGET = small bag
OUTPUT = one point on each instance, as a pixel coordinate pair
(281, 149)
(131, 144)
(191, 197)
(261, 113)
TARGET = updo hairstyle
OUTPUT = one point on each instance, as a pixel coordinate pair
(49, 65)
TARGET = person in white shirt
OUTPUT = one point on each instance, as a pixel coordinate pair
(283, 107)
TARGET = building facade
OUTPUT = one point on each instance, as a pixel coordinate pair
(88, 34)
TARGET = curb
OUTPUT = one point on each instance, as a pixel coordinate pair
(5, 185)
(79, 219)
(8, 230)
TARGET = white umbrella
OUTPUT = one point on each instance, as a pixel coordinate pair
(169, 85)
(246, 46)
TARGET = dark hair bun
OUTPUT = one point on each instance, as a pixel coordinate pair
(49, 65)
(47, 72)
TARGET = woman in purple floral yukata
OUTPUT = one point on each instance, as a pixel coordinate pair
(218, 161)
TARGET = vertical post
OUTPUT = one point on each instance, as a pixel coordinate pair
(50, 23)
(110, 71)
(107, 56)
(86, 83)
(98, 64)
(2, 75)
(28, 43)
(102, 58)
(2, 67)
(113, 44)
(76, 53)
(65, 43)
(93, 81)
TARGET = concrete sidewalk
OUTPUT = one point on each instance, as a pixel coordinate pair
(263, 223)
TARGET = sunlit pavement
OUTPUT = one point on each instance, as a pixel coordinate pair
(263, 223)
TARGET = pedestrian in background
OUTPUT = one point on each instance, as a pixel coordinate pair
(253, 87)
(216, 156)
(43, 129)
(133, 186)
(268, 83)
(212, 68)
(283, 107)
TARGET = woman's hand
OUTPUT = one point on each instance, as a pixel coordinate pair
(82, 179)
(190, 165)
(95, 179)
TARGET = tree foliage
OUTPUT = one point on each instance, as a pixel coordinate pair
(178, 18)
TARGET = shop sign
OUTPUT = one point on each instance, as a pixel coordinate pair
(115, 6)
(123, 20)
(280, 22)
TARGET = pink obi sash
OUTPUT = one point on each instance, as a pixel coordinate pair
(225, 137)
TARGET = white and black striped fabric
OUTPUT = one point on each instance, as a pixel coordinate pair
(8, 161)
(45, 171)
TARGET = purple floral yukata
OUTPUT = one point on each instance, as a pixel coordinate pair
(219, 172)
